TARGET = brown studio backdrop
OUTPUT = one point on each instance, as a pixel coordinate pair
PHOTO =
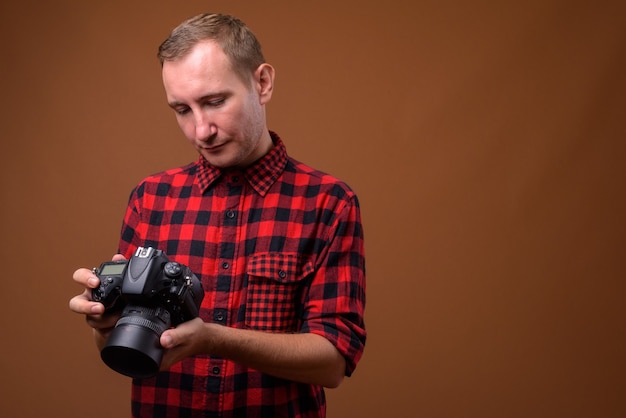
(485, 140)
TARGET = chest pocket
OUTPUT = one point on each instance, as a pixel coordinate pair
(275, 291)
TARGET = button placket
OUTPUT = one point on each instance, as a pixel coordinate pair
(227, 249)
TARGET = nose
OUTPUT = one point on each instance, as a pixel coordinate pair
(204, 127)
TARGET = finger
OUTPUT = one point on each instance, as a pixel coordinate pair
(83, 304)
(103, 323)
(86, 278)
(118, 257)
(172, 355)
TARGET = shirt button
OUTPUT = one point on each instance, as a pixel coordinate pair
(216, 370)
(225, 265)
(282, 274)
(219, 316)
(230, 214)
(235, 179)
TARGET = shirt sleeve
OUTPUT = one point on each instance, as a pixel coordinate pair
(336, 300)
(130, 237)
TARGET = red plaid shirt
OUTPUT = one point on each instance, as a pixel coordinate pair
(279, 248)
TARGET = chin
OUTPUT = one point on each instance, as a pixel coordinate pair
(222, 163)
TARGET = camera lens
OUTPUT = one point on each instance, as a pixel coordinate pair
(133, 348)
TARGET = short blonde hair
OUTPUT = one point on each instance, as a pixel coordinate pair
(231, 34)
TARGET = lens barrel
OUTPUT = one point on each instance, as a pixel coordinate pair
(133, 348)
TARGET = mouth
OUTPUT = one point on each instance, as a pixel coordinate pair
(213, 148)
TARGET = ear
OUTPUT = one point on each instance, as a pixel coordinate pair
(264, 82)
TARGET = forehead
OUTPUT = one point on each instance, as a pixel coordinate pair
(205, 66)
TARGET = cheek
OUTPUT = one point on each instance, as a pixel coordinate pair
(187, 128)
(230, 123)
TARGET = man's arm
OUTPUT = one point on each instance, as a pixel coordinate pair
(307, 358)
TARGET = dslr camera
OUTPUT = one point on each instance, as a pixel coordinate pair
(153, 294)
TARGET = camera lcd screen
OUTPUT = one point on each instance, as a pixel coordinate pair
(109, 269)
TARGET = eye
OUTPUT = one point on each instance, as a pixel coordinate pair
(215, 102)
(181, 110)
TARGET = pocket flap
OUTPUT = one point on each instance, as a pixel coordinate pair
(280, 267)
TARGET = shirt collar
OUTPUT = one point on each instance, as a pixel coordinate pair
(260, 175)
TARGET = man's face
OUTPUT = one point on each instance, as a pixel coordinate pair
(220, 114)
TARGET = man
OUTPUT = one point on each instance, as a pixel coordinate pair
(278, 246)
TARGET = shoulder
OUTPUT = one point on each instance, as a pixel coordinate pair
(315, 181)
(160, 183)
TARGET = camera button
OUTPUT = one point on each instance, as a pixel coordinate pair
(172, 269)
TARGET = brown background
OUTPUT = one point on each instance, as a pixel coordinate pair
(485, 140)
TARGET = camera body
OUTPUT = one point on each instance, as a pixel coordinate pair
(154, 294)
(149, 278)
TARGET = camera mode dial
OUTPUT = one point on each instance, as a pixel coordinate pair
(172, 269)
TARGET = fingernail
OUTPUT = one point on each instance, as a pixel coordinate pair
(93, 282)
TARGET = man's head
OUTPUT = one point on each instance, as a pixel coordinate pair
(231, 34)
(217, 82)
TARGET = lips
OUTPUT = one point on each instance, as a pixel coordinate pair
(214, 148)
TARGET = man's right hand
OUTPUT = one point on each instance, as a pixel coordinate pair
(101, 323)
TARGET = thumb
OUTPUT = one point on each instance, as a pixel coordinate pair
(182, 335)
(168, 339)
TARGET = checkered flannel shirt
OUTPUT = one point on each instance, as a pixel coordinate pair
(279, 248)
